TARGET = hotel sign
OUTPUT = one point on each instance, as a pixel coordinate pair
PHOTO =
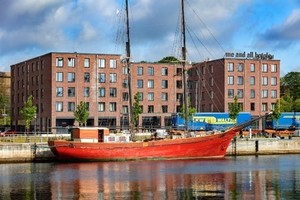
(250, 55)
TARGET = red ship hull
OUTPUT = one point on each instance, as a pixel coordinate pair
(208, 146)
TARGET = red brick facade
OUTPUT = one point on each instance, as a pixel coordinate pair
(256, 82)
(58, 82)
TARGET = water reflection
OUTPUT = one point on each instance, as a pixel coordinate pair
(266, 177)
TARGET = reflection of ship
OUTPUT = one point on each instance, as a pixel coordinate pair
(136, 180)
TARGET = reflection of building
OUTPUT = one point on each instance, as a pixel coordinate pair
(59, 81)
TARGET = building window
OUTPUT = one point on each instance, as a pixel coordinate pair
(150, 71)
(86, 62)
(211, 94)
(59, 92)
(273, 68)
(230, 80)
(240, 93)
(274, 81)
(252, 94)
(264, 93)
(164, 71)
(178, 71)
(125, 83)
(252, 106)
(101, 92)
(101, 78)
(150, 83)
(71, 77)
(203, 70)
(86, 92)
(240, 67)
(113, 92)
(71, 62)
(140, 83)
(252, 67)
(252, 80)
(150, 109)
(71, 106)
(273, 106)
(273, 93)
(59, 62)
(101, 106)
(164, 96)
(59, 106)
(86, 77)
(211, 81)
(125, 96)
(230, 93)
(164, 84)
(264, 107)
(264, 80)
(125, 109)
(113, 78)
(178, 84)
(141, 96)
(150, 96)
(112, 63)
(240, 80)
(264, 67)
(164, 109)
(230, 67)
(211, 68)
(71, 92)
(124, 70)
(140, 71)
(179, 97)
(59, 77)
(113, 107)
(101, 63)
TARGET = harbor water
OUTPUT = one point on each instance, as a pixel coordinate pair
(243, 177)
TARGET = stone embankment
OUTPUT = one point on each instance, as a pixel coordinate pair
(40, 152)
(264, 146)
(25, 152)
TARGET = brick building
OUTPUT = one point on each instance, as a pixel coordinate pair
(253, 78)
(58, 82)
(5, 92)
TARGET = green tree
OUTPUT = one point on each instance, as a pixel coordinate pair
(190, 111)
(288, 104)
(290, 83)
(169, 59)
(28, 112)
(81, 113)
(137, 110)
(234, 109)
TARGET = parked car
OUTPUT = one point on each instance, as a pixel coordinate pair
(8, 132)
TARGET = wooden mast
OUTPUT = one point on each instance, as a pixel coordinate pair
(185, 103)
(130, 116)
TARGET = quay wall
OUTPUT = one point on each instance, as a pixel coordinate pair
(264, 146)
(25, 152)
(40, 152)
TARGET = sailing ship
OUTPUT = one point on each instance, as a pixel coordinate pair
(95, 144)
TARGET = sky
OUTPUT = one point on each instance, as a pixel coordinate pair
(30, 28)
